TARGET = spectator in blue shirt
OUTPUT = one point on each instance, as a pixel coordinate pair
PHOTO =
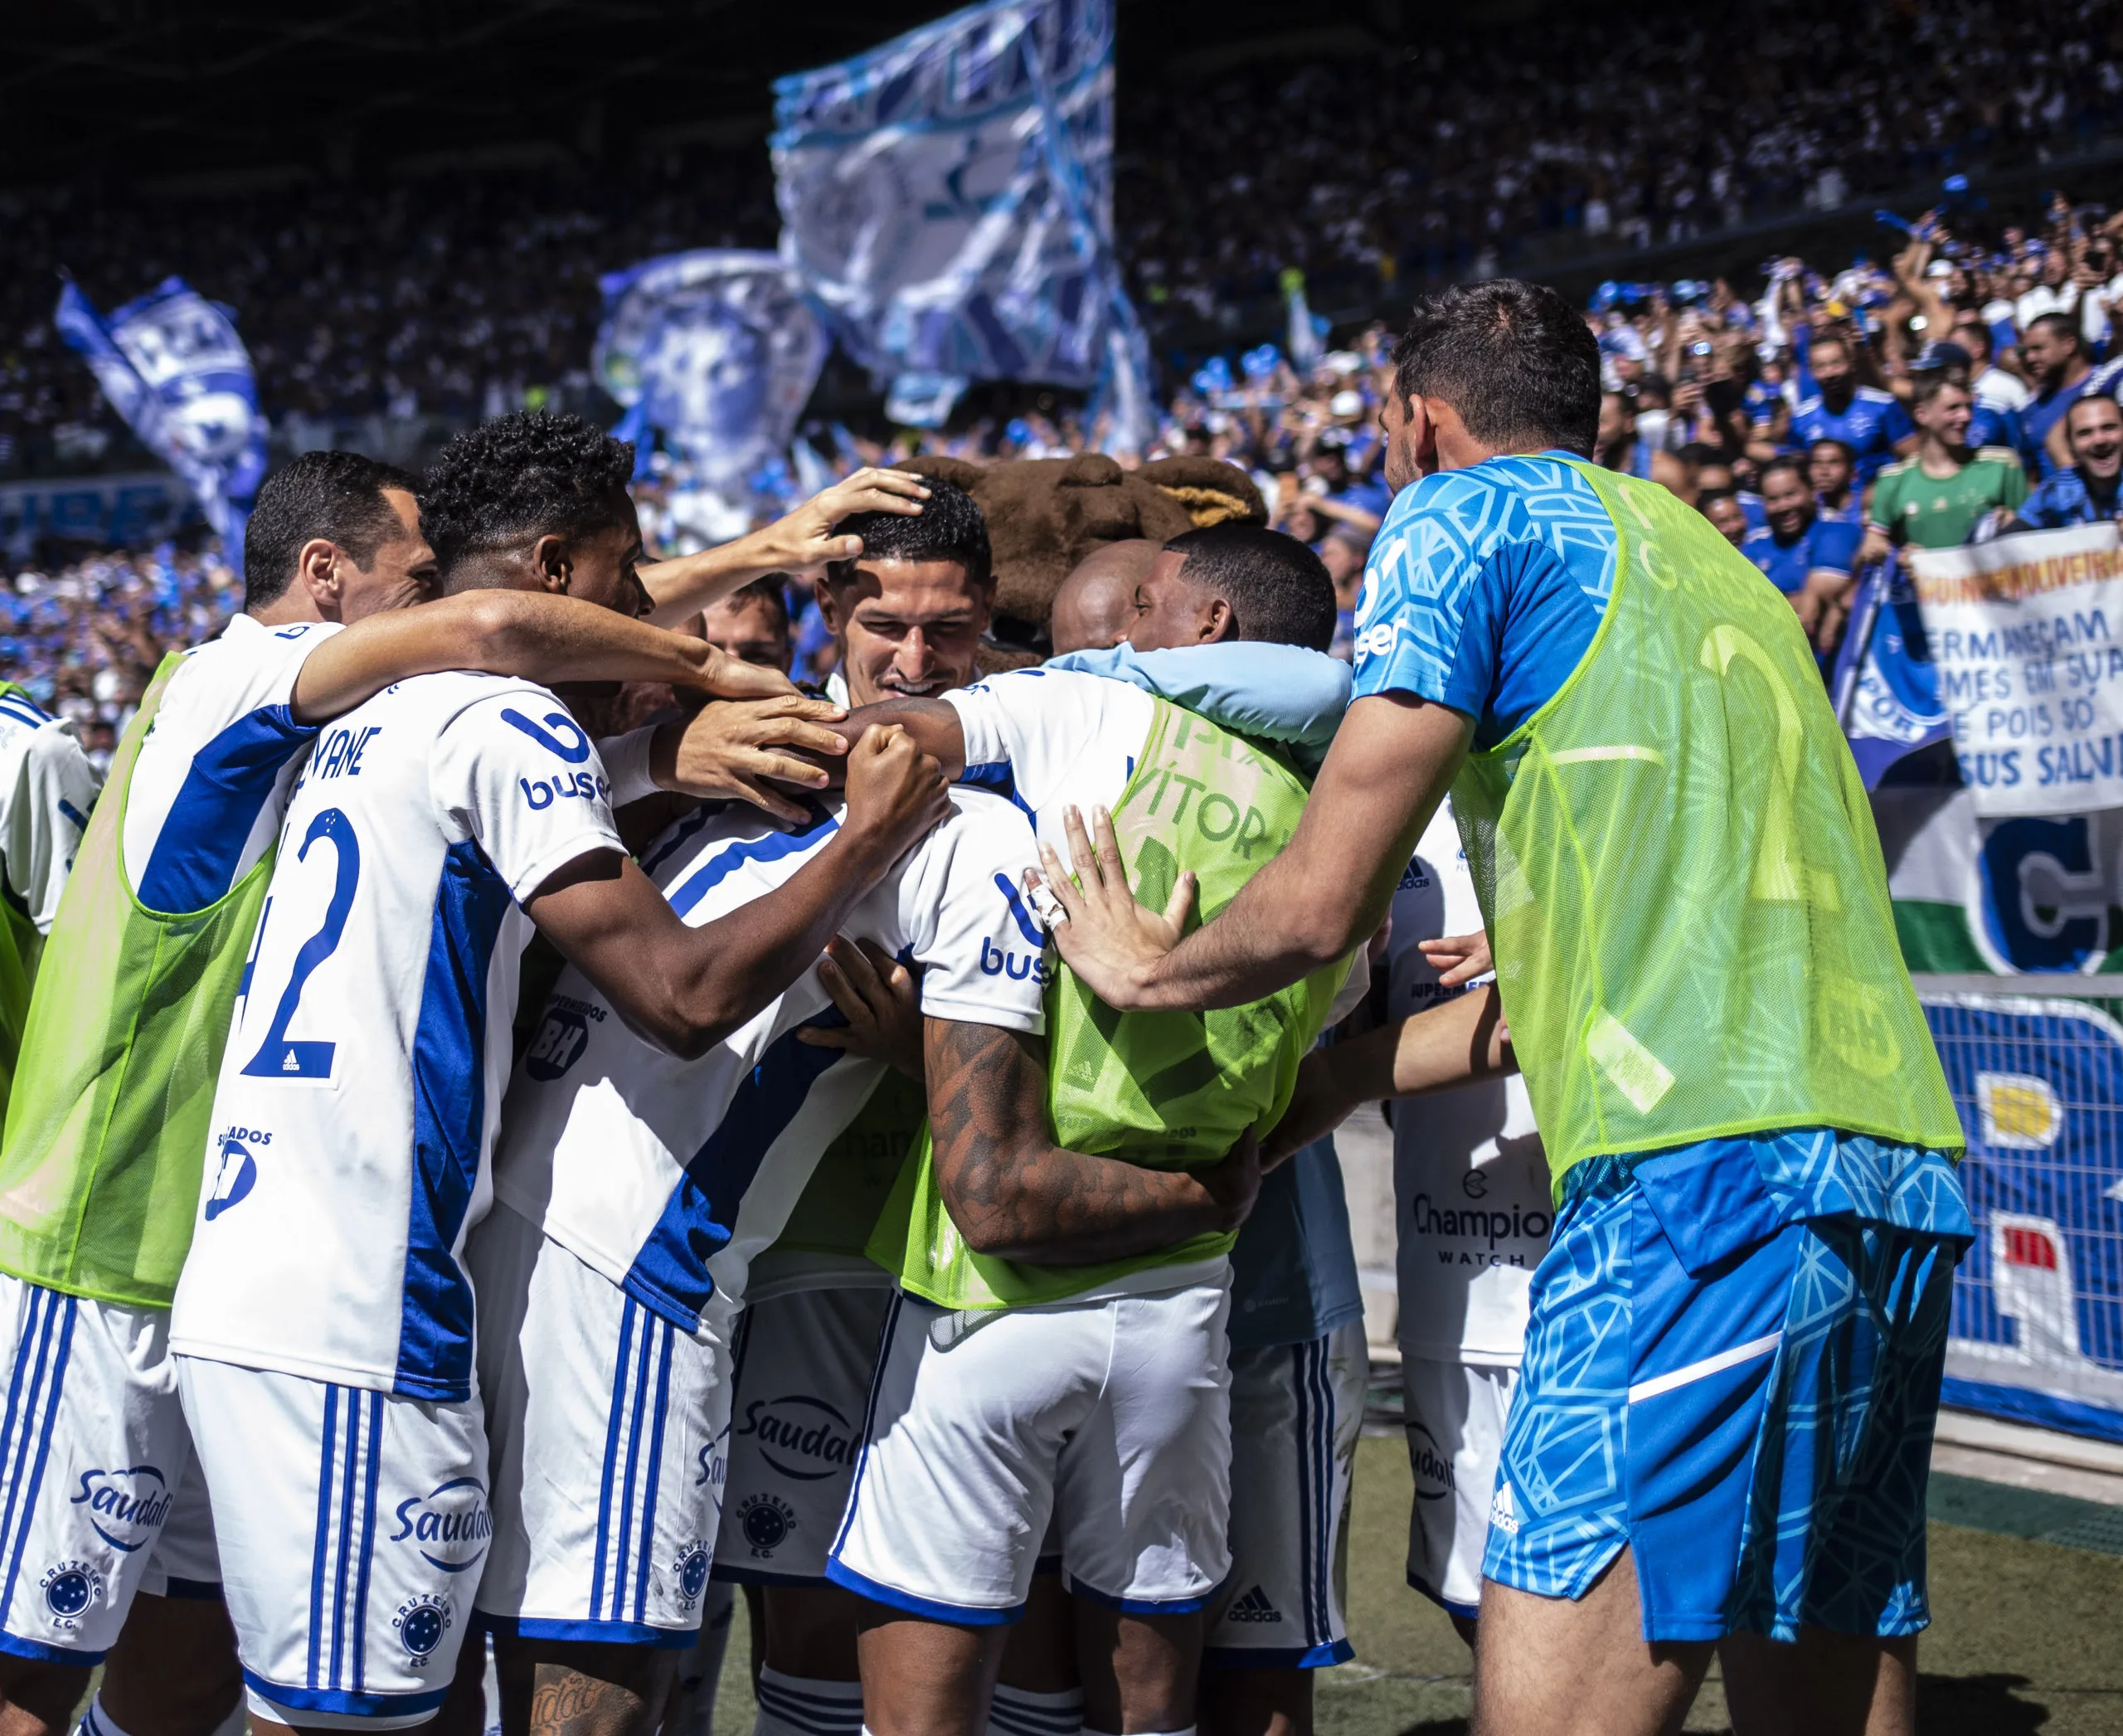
(1868, 421)
(2056, 357)
(1808, 559)
(1831, 468)
(2088, 491)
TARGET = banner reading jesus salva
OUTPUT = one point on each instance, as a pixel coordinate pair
(2027, 634)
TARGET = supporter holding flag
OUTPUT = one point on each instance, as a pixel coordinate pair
(2088, 491)
(1808, 559)
(1937, 498)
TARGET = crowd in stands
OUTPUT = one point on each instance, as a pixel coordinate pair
(1961, 388)
(462, 295)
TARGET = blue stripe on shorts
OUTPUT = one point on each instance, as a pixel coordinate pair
(1743, 1395)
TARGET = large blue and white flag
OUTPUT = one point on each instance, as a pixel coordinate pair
(173, 365)
(717, 350)
(947, 201)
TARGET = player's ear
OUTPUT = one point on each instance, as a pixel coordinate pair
(550, 561)
(1218, 622)
(822, 594)
(317, 570)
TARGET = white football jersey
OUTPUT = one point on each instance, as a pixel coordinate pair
(211, 782)
(48, 787)
(669, 1177)
(1050, 739)
(1470, 1178)
(370, 1049)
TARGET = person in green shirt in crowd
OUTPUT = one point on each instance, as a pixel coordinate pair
(1935, 499)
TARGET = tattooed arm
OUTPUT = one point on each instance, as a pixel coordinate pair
(1015, 1194)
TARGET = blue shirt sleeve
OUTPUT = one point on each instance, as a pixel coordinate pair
(1833, 546)
(1283, 694)
(1894, 422)
(1419, 582)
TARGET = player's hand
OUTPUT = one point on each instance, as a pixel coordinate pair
(804, 542)
(1316, 1108)
(896, 794)
(1104, 936)
(882, 1000)
(1458, 959)
(1234, 1182)
(738, 750)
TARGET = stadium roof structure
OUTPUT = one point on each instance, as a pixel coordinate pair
(193, 94)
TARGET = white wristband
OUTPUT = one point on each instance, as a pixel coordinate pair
(626, 764)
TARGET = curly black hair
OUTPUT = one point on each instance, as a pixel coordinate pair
(949, 528)
(528, 474)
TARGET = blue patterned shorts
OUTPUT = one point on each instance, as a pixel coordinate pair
(1743, 1392)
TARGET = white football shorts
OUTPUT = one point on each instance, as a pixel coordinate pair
(981, 1426)
(805, 1362)
(1296, 1411)
(352, 1526)
(607, 1426)
(1454, 1413)
(98, 1499)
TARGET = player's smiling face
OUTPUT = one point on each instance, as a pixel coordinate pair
(906, 629)
(1171, 611)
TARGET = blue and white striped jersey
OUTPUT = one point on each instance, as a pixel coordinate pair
(668, 1176)
(212, 779)
(359, 1094)
(48, 787)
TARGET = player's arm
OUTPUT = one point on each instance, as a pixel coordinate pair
(1016, 1195)
(687, 988)
(47, 814)
(1390, 765)
(529, 633)
(1455, 1044)
(934, 724)
(802, 541)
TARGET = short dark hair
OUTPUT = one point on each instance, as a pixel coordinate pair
(1833, 340)
(1849, 452)
(2109, 398)
(2062, 324)
(335, 495)
(521, 476)
(1925, 386)
(1515, 359)
(1279, 590)
(950, 527)
(772, 590)
(1785, 461)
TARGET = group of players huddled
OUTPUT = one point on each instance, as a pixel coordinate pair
(473, 1180)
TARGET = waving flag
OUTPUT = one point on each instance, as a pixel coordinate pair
(947, 201)
(716, 350)
(173, 365)
(1886, 687)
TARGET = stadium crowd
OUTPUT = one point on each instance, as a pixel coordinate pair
(457, 296)
(1722, 397)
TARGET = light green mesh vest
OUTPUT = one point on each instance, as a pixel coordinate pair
(1677, 864)
(837, 1211)
(107, 1128)
(1164, 1090)
(20, 946)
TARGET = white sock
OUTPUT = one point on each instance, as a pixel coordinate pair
(700, 1670)
(1020, 1712)
(97, 1722)
(801, 1705)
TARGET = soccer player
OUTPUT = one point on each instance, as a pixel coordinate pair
(1025, 1333)
(751, 624)
(1470, 1185)
(323, 1325)
(108, 1127)
(2088, 492)
(47, 789)
(1096, 605)
(1745, 1297)
(1807, 558)
(1938, 498)
(1869, 421)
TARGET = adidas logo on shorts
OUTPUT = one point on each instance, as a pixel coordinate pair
(1253, 1606)
(1501, 1514)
